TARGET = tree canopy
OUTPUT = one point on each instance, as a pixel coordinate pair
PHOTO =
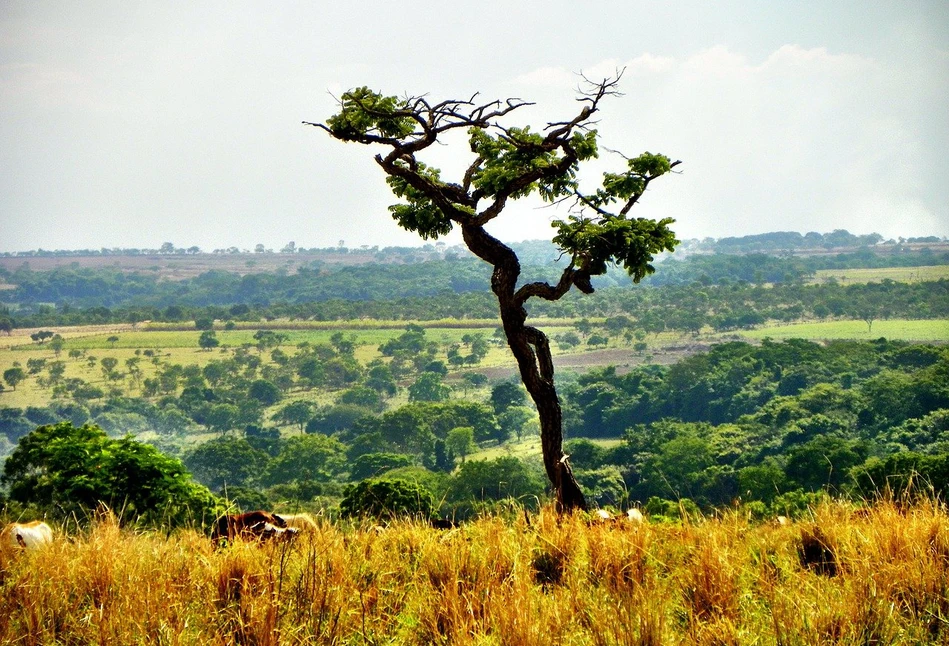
(63, 469)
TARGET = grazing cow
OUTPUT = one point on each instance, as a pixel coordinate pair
(259, 525)
(603, 515)
(443, 523)
(299, 522)
(635, 516)
(28, 536)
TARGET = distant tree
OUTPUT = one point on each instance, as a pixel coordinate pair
(513, 421)
(41, 336)
(56, 370)
(505, 477)
(226, 461)
(460, 441)
(474, 379)
(306, 457)
(370, 465)
(297, 412)
(56, 344)
(14, 376)
(597, 340)
(379, 377)
(112, 340)
(511, 163)
(221, 417)
(567, 340)
(428, 388)
(208, 340)
(362, 396)
(336, 418)
(6, 325)
(108, 368)
(204, 323)
(264, 391)
(268, 339)
(868, 310)
(506, 394)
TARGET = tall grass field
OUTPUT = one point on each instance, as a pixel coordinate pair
(877, 576)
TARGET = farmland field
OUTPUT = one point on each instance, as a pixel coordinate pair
(897, 274)
(895, 329)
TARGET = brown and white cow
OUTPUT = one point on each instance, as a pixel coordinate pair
(28, 536)
(253, 525)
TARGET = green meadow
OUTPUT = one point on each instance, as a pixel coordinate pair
(896, 274)
(895, 329)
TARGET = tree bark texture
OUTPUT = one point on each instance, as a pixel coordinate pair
(531, 350)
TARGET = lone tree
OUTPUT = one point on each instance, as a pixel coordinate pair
(511, 163)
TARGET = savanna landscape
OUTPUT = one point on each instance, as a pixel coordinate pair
(610, 437)
(790, 471)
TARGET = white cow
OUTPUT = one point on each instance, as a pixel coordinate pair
(300, 522)
(635, 516)
(29, 536)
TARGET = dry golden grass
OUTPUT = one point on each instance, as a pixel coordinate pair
(837, 578)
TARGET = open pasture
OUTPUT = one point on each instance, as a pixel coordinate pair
(833, 577)
(896, 274)
(893, 329)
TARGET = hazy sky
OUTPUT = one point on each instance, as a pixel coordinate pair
(128, 124)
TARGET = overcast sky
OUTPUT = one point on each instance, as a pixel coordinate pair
(127, 124)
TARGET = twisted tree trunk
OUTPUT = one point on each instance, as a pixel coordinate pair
(531, 349)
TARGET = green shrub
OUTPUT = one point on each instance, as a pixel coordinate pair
(385, 499)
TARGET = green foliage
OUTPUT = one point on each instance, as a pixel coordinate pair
(498, 479)
(208, 340)
(63, 470)
(387, 499)
(420, 214)
(460, 441)
(370, 465)
(428, 388)
(307, 457)
(14, 376)
(264, 392)
(628, 242)
(364, 112)
(226, 462)
(506, 394)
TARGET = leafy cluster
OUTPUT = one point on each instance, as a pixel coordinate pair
(628, 242)
(364, 112)
(67, 470)
(770, 423)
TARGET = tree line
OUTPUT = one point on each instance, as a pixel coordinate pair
(683, 308)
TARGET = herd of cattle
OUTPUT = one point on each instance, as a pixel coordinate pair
(258, 526)
(254, 525)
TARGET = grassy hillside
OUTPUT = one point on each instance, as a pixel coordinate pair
(835, 577)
